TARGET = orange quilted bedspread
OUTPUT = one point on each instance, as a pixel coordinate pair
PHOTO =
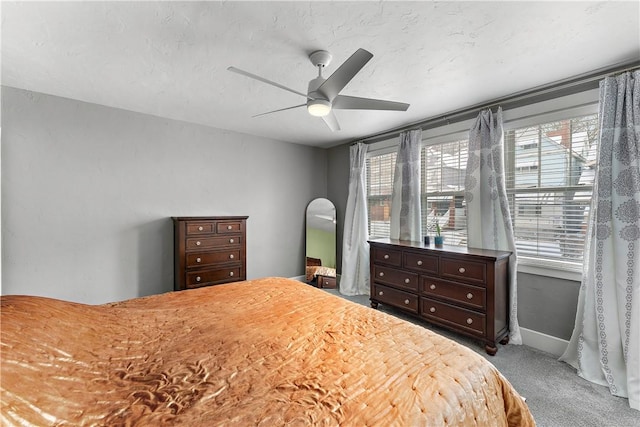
(265, 352)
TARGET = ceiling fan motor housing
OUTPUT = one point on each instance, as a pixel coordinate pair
(317, 103)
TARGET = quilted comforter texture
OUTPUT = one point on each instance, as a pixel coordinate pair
(266, 352)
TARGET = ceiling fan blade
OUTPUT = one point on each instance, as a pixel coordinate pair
(282, 109)
(263, 80)
(345, 72)
(331, 121)
(343, 102)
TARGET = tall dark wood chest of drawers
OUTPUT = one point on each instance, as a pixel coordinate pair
(209, 250)
(461, 289)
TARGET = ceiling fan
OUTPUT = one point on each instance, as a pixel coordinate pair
(323, 95)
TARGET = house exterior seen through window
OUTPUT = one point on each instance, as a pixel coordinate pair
(549, 178)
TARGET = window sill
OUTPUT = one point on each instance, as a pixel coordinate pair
(549, 269)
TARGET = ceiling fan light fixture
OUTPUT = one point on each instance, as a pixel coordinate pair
(318, 107)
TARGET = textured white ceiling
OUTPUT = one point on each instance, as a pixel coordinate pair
(170, 59)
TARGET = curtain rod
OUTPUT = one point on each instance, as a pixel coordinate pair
(569, 86)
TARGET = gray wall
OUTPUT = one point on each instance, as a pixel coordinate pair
(545, 304)
(88, 190)
(338, 169)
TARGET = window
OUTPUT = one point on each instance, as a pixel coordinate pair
(550, 172)
(549, 177)
(380, 170)
(443, 172)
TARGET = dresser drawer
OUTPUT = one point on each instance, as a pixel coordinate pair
(421, 263)
(200, 243)
(210, 258)
(395, 297)
(471, 296)
(387, 256)
(199, 228)
(399, 278)
(224, 227)
(467, 271)
(467, 320)
(326, 282)
(211, 277)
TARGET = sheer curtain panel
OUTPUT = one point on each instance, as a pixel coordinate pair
(489, 223)
(605, 344)
(355, 248)
(405, 199)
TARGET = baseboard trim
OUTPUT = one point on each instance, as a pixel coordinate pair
(543, 342)
(302, 278)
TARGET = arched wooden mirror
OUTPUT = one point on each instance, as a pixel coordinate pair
(321, 244)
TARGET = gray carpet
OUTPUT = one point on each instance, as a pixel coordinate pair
(556, 395)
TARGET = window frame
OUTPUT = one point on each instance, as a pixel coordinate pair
(562, 108)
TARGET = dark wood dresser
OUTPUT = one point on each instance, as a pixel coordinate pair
(461, 289)
(209, 250)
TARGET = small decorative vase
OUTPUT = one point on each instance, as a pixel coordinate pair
(438, 240)
(427, 241)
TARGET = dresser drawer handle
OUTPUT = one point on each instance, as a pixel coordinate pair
(230, 240)
(461, 270)
(381, 274)
(469, 321)
(407, 280)
(419, 262)
(231, 273)
(198, 243)
(386, 256)
(432, 309)
(432, 286)
(231, 256)
(469, 295)
(200, 228)
(198, 279)
(229, 227)
(380, 293)
(198, 259)
(326, 282)
(406, 302)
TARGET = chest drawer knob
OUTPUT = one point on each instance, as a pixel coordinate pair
(198, 243)
(200, 228)
(461, 270)
(469, 321)
(419, 262)
(231, 256)
(198, 259)
(198, 278)
(432, 309)
(407, 280)
(432, 286)
(230, 240)
(381, 274)
(380, 293)
(386, 256)
(231, 273)
(406, 302)
(229, 227)
(469, 295)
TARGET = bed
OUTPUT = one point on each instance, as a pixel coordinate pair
(314, 268)
(262, 352)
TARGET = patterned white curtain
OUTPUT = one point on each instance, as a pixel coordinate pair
(605, 345)
(405, 198)
(355, 248)
(489, 223)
